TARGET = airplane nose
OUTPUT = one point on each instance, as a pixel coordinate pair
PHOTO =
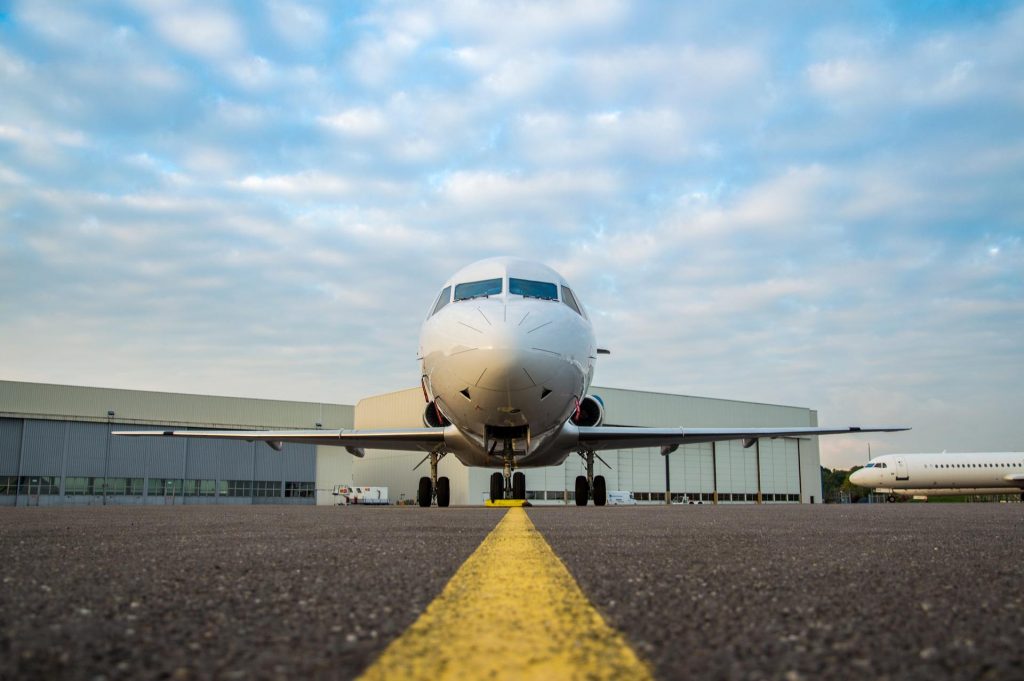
(859, 478)
(503, 354)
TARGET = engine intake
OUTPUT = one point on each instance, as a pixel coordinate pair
(433, 418)
(591, 412)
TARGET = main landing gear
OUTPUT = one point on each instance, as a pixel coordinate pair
(434, 487)
(590, 485)
(508, 485)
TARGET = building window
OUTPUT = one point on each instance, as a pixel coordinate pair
(299, 489)
(239, 488)
(39, 484)
(266, 488)
(556, 495)
(78, 486)
(164, 487)
(534, 494)
(8, 485)
(200, 488)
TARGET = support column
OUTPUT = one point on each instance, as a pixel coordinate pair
(668, 485)
(106, 456)
(21, 455)
(799, 471)
(757, 454)
(666, 450)
(64, 458)
(714, 472)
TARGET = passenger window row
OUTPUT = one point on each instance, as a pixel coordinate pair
(974, 465)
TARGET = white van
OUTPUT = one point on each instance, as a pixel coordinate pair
(620, 498)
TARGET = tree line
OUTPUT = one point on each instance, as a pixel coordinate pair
(836, 486)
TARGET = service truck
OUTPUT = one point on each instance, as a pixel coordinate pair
(620, 498)
(352, 494)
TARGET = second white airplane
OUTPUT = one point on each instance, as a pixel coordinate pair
(945, 474)
(507, 354)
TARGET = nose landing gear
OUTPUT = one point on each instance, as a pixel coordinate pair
(508, 484)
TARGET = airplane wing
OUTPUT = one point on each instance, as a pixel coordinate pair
(625, 437)
(414, 439)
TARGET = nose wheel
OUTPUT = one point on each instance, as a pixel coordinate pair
(508, 484)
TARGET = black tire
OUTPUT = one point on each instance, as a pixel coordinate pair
(891, 498)
(497, 486)
(444, 492)
(582, 490)
(424, 493)
(518, 485)
(600, 491)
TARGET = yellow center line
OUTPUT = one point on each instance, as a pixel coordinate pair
(512, 611)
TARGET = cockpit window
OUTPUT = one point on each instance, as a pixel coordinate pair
(569, 299)
(533, 289)
(870, 465)
(442, 300)
(477, 289)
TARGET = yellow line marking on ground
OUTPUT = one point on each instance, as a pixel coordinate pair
(512, 611)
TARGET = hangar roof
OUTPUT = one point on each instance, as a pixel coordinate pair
(80, 403)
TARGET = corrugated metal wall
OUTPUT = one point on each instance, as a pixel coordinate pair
(10, 445)
(88, 455)
(43, 452)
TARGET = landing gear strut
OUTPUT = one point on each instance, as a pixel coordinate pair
(591, 486)
(434, 487)
(508, 484)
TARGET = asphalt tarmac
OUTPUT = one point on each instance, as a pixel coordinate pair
(229, 592)
(886, 591)
(728, 592)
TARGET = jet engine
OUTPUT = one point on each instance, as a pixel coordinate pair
(590, 413)
(433, 418)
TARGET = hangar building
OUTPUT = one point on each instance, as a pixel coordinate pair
(56, 448)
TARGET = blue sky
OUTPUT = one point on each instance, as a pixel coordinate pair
(778, 202)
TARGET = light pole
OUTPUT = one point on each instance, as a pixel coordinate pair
(106, 456)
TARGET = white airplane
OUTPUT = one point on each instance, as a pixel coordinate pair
(508, 353)
(944, 474)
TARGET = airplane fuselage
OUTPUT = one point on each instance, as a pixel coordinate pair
(944, 474)
(507, 354)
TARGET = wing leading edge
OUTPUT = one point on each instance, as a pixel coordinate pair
(624, 437)
(355, 441)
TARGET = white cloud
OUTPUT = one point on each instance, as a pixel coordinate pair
(651, 134)
(316, 184)
(359, 122)
(299, 24)
(531, 21)
(504, 192)
(198, 29)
